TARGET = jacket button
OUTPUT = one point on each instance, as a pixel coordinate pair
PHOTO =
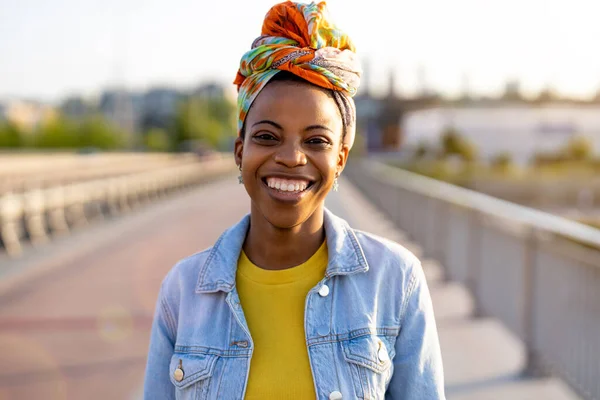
(335, 395)
(323, 292)
(178, 374)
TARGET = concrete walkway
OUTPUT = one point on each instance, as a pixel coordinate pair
(75, 314)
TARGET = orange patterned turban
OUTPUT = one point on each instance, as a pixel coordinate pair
(301, 39)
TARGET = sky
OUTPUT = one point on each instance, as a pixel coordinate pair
(53, 49)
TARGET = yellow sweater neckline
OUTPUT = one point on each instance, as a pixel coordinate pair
(317, 263)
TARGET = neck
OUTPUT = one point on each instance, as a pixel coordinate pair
(270, 247)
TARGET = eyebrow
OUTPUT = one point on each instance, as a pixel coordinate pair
(276, 125)
(266, 121)
(313, 127)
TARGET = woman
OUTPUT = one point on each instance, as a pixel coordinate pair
(291, 303)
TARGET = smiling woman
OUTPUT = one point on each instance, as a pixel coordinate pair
(291, 302)
(293, 136)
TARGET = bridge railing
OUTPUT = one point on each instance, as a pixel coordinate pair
(37, 214)
(21, 172)
(536, 272)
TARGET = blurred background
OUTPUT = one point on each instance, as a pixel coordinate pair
(478, 147)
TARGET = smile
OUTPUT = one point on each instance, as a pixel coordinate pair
(287, 185)
(287, 190)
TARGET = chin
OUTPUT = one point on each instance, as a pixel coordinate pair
(284, 219)
(285, 216)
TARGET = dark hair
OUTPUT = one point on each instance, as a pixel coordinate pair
(342, 100)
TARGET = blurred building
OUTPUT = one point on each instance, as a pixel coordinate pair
(118, 106)
(379, 119)
(159, 108)
(75, 107)
(522, 130)
(512, 91)
(211, 90)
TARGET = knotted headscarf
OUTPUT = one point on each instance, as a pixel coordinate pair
(301, 39)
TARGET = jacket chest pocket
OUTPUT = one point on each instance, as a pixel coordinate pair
(368, 359)
(191, 375)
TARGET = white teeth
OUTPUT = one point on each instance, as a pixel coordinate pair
(286, 186)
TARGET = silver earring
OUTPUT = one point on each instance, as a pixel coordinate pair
(240, 179)
(336, 184)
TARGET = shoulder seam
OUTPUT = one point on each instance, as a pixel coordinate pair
(169, 318)
(410, 290)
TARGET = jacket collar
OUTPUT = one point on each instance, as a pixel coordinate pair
(218, 271)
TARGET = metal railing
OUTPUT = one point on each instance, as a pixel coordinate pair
(536, 272)
(21, 172)
(37, 214)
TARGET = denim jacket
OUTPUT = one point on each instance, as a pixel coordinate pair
(372, 335)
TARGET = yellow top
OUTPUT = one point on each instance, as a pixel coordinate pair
(273, 304)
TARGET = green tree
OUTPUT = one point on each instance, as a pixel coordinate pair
(58, 132)
(455, 144)
(209, 121)
(157, 139)
(96, 131)
(502, 161)
(421, 151)
(10, 135)
(579, 148)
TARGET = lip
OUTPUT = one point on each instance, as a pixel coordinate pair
(287, 197)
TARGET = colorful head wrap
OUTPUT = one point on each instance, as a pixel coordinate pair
(300, 38)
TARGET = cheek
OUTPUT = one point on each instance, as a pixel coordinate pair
(251, 155)
(333, 161)
(328, 168)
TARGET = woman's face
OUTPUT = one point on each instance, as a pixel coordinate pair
(292, 151)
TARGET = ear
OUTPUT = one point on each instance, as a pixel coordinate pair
(238, 150)
(342, 158)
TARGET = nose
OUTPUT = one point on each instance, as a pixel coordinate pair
(290, 155)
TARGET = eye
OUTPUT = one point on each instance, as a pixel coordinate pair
(318, 141)
(264, 137)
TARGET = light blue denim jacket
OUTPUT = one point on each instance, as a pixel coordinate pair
(371, 336)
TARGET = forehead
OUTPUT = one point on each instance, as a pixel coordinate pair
(294, 103)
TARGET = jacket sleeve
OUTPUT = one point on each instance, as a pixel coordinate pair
(157, 383)
(418, 372)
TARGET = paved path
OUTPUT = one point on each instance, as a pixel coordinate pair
(81, 330)
(75, 315)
